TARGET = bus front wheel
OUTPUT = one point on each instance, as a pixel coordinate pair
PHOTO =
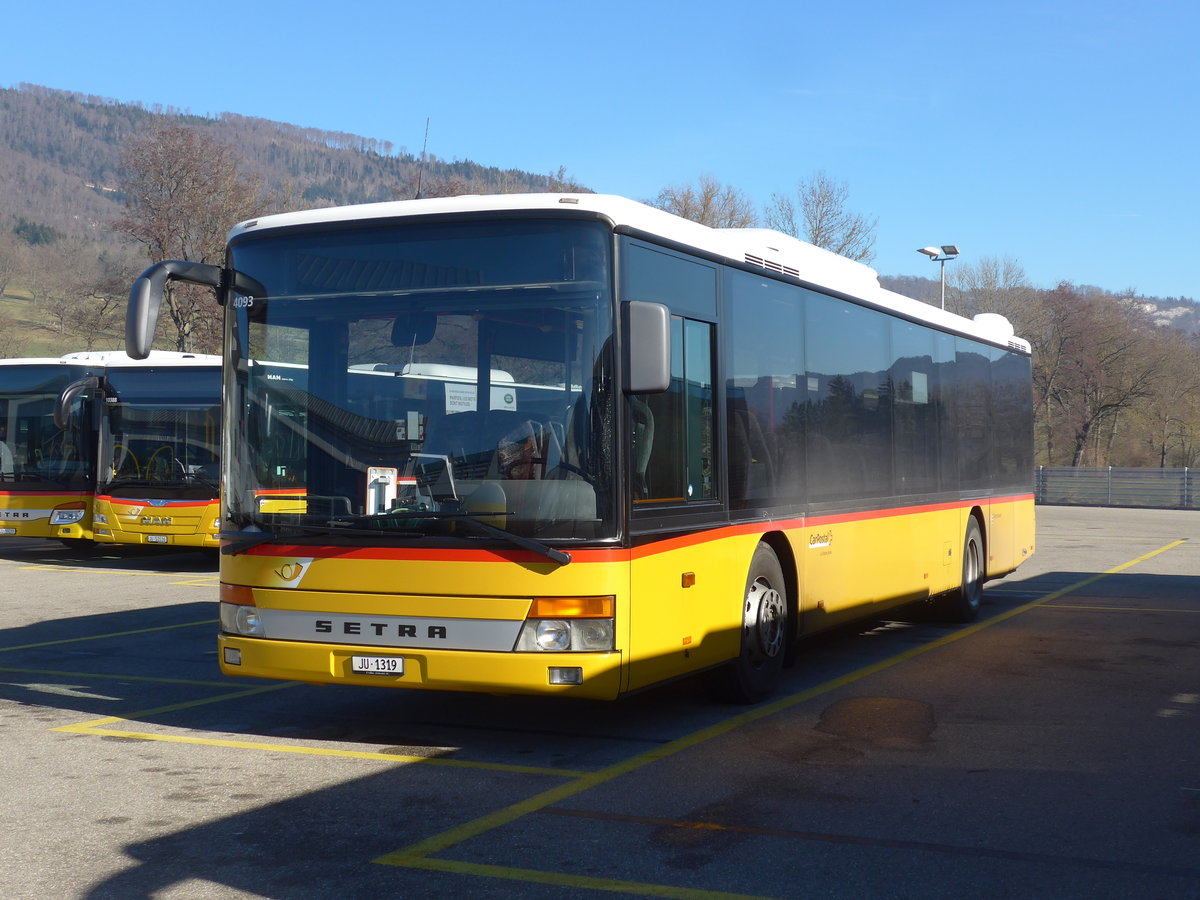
(963, 605)
(755, 674)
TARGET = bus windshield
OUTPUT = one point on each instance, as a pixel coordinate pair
(163, 432)
(427, 380)
(35, 454)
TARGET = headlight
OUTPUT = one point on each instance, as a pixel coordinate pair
(561, 635)
(238, 619)
(100, 518)
(592, 634)
(66, 516)
(553, 634)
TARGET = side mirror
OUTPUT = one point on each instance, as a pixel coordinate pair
(413, 329)
(69, 395)
(145, 299)
(647, 340)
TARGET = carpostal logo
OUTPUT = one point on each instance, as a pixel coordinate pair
(820, 539)
(290, 573)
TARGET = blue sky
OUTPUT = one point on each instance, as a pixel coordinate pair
(1060, 134)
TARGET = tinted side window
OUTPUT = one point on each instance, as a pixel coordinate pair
(947, 390)
(973, 414)
(916, 398)
(1013, 414)
(686, 286)
(849, 401)
(764, 390)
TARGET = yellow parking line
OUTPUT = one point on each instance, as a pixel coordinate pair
(176, 707)
(98, 727)
(58, 673)
(1088, 538)
(196, 581)
(98, 570)
(576, 882)
(418, 855)
(1134, 609)
(111, 634)
(92, 728)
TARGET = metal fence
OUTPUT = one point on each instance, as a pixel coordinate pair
(1113, 486)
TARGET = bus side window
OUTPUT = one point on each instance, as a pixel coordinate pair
(679, 463)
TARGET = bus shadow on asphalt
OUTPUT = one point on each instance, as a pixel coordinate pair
(158, 655)
(112, 557)
(163, 659)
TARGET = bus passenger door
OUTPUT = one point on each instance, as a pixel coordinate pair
(676, 618)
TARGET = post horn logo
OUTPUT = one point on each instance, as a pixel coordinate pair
(290, 572)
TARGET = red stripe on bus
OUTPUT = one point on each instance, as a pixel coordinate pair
(447, 555)
(158, 504)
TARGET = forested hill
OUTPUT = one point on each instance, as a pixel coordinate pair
(60, 157)
(60, 172)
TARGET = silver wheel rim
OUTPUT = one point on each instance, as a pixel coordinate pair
(763, 621)
(972, 586)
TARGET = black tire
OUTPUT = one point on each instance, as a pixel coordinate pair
(963, 605)
(756, 672)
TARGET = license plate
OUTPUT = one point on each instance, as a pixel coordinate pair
(8, 531)
(377, 665)
(156, 539)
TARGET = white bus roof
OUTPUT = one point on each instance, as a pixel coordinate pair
(120, 359)
(41, 361)
(771, 250)
(433, 372)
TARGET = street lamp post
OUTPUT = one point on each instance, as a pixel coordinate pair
(941, 255)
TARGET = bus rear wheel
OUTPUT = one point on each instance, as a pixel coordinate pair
(963, 605)
(755, 674)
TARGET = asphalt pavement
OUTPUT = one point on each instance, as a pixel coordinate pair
(1048, 750)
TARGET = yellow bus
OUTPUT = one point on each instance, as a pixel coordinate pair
(158, 456)
(614, 447)
(47, 470)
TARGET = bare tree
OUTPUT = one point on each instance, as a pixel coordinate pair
(1094, 363)
(183, 192)
(817, 213)
(10, 259)
(11, 346)
(1163, 429)
(560, 182)
(708, 202)
(993, 284)
(98, 317)
(48, 281)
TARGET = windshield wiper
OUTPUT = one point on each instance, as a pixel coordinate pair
(200, 479)
(557, 556)
(562, 557)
